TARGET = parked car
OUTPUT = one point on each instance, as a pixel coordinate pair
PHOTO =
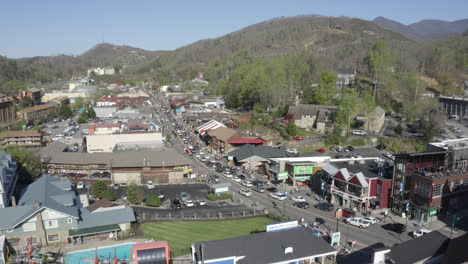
(350, 148)
(150, 185)
(201, 202)
(380, 147)
(80, 185)
(245, 192)
(105, 175)
(176, 204)
(236, 179)
(324, 206)
(95, 175)
(303, 205)
(280, 196)
(228, 173)
(298, 138)
(395, 227)
(87, 185)
(184, 196)
(215, 178)
(259, 188)
(348, 212)
(257, 182)
(242, 177)
(273, 195)
(357, 221)
(297, 198)
(247, 183)
(359, 132)
(420, 232)
(320, 150)
(272, 189)
(369, 219)
(189, 203)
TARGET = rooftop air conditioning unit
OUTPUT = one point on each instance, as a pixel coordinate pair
(350, 161)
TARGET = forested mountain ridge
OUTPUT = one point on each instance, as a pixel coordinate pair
(427, 30)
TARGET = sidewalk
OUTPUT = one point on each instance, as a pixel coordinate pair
(412, 224)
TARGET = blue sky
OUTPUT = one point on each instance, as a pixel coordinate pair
(41, 27)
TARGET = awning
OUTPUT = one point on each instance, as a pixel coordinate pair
(93, 230)
(247, 141)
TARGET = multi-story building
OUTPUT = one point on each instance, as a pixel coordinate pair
(8, 178)
(33, 93)
(7, 110)
(36, 112)
(47, 213)
(27, 138)
(432, 181)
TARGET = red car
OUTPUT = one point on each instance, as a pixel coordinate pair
(298, 138)
(321, 150)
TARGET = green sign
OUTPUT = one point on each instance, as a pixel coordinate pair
(335, 239)
(303, 169)
(432, 212)
(282, 175)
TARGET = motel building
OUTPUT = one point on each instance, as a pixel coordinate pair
(282, 243)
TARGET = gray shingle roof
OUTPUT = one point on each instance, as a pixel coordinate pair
(267, 247)
(309, 109)
(266, 152)
(417, 249)
(15, 215)
(116, 216)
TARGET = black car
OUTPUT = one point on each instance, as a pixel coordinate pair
(395, 227)
(242, 177)
(176, 204)
(257, 182)
(350, 148)
(303, 205)
(380, 147)
(324, 206)
(272, 189)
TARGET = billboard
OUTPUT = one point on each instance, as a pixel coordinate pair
(303, 169)
(282, 226)
(282, 175)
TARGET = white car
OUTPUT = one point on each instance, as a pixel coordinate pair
(421, 232)
(359, 132)
(201, 202)
(80, 185)
(280, 196)
(297, 198)
(371, 220)
(236, 179)
(189, 203)
(245, 192)
(357, 221)
(227, 173)
(247, 184)
(274, 195)
(150, 185)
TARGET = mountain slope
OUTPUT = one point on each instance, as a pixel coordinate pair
(428, 30)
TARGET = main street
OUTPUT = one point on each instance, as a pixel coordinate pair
(364, 237)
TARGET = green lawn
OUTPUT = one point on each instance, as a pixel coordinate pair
(181, 235)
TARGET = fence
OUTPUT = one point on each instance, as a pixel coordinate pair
(198, 216)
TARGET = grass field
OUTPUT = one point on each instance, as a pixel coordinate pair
(181, 235)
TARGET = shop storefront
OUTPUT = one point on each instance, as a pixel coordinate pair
(300, 173)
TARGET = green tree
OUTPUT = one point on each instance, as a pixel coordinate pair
(65, 111)
(28, 101)
(83, 118)
(326, 90)
(292, 130)
(29, 163)
(98, 188)
(109, 195)
(135, 194)
(91, 112)
(79, 103)
(153, 200)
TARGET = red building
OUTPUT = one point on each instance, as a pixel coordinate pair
(153, 252)
(33, 93)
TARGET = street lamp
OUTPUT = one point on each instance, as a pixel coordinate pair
(454, 220)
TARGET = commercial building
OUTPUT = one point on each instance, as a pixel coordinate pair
(432, 181)
(33, 93)
(47, 213)
(104, 129)
(255, 157)
(8, 178)
(36, 112)
(295, 245)
(28, 138)
(82, 92)
(108, 143)
(223, 139)
(7, 110)
(159, 166)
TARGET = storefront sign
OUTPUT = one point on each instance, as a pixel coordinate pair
(282, 175)
(303, 169)
(335, 239)
(432, 212)
(282, 226)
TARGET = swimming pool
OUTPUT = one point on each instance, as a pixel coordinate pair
(87, 255)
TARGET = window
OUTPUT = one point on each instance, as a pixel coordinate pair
(34, 240)
(30, 226)
(463, 164)
(465, 181)
(423, 189)
(53, 238)
(51, 223)
(70, 220)
(437, 190)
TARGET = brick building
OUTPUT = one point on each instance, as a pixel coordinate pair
(23, 138)
(33, 113)
(33, 93)
(435, 180)
(7, 110)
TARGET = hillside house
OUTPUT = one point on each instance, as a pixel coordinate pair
(313, 117)
(345, 78)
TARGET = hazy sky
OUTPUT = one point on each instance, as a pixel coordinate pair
(42, 27)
